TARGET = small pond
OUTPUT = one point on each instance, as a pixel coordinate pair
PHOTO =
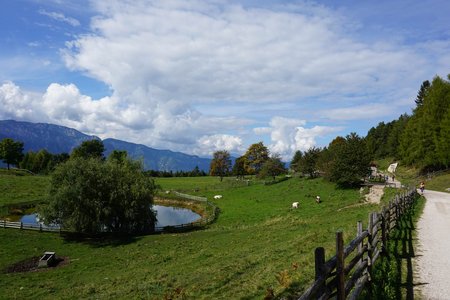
(166, 216)
(171, 216)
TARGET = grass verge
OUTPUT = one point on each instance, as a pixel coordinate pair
(394, 273)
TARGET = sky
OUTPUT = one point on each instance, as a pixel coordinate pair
(202, 76)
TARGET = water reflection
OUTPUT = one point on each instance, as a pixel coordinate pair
(171, 216)
(166, 216)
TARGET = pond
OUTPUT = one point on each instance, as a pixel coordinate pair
(171, 216)
(166, 216)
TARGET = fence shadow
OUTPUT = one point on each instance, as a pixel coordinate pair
(394, 275)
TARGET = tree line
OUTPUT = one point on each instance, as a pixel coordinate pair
(421, 139)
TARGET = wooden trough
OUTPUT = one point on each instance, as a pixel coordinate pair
(47, 260)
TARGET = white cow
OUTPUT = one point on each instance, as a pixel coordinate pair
(295, 205)
(218, 197)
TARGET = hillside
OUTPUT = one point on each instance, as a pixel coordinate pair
(59, 139)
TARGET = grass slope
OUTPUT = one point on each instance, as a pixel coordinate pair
(257, 243)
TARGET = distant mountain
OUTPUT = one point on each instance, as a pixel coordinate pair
(59, 139)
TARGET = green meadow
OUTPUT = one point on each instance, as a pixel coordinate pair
(258, 245)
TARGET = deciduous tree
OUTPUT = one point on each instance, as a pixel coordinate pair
(272, 167)
(220, 164)
(239, 167)
(11, 152)
(255, 157)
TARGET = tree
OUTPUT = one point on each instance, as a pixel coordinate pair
(255, 157)
(220, 164)
(87, 149)
(239, 167)
(11, 152)
(307, 164)
(89, 195)
(295, 163)
(118, 156)
(422, 93)
(421, 141)
(42, 161)
(272, 167)
(327, 158)
(351, 162)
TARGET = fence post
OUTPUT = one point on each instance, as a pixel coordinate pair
(340, 276)
(359, 230)
(370, 252)
(383, 231)
(319, 258)
(40, 227)
(21, 225)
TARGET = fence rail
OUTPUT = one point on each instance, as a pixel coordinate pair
(346, 280)
(190, 197)
(203, 221)
(28, 226)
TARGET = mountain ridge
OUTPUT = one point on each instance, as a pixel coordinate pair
(59, 139)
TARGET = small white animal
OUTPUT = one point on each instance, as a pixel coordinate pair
(295, 205)
(218, 197)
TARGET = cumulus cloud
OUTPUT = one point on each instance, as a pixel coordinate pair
(206, 52)
(209, 144)
(245, 65)
(170, 126)
(289, 135)
(17, 105)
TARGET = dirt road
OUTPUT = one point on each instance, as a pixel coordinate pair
(433, 257)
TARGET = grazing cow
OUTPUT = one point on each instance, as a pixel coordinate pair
(295, 205)
(218, 197)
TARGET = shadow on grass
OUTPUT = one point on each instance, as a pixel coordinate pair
(101, 240)
(394, 274)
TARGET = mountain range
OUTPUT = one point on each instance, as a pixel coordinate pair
(60, 139)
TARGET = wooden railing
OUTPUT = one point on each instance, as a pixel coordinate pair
(29, 226)
(345, 275)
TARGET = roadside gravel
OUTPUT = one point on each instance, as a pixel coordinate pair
(433, 255)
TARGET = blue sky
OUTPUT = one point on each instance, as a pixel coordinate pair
(201, 76)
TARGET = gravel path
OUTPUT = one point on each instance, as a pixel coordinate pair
(433, 257)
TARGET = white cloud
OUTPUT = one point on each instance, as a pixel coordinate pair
(60, 17)
(289, 135)
(369, 111)
(207, 145)
(17, 105)
(194, 76)
(196, 52)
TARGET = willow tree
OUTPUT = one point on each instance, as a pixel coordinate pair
(92, 195)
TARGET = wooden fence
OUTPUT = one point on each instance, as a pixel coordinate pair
(345, 275)
(175, 228)
(29, 226)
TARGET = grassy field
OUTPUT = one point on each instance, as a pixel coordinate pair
(20, 187)
(257, 243)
